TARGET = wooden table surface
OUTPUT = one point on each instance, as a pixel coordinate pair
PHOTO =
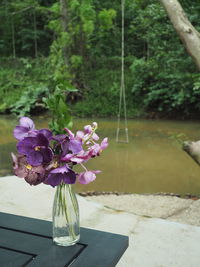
(28, 242)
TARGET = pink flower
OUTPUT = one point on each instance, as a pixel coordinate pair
(87, 177)
(104, 143)
(82, 156)
(96, 149)
(90, 132)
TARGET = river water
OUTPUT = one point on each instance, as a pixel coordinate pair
(151, 162)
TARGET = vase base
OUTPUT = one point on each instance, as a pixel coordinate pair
(65, 241)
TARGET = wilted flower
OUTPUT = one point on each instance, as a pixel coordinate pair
(33, 175)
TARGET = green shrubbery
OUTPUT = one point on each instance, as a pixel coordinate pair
(23, 83)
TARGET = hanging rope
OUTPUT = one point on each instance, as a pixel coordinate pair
(122, 100)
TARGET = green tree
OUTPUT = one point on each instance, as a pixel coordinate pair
(79, 45)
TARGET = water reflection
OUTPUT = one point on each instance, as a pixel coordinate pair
(152, 162)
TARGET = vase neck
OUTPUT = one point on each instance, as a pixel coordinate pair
(65, 187)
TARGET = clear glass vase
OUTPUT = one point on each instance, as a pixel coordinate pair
(66, 226)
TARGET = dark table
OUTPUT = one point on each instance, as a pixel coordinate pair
(28, 242)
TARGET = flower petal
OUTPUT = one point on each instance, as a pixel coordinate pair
(54, 179)
(47, 154)
(104, 143)
(47, 133)
(35, 158)
(71, 135)
(80, 135)
(35, 175)
(26, 145)
(86, 177)
(69, 177)
(34, 178)
(42, 140)
(94, 124)
(65, 146)
(75, 146)
(77, 160)
(67, 157)
(27, 122)
(87, 129)
(59, 137)
(60, 169)
(14, 159)
(95, 137)
(97, 171)
(95, 150)
(20, 132)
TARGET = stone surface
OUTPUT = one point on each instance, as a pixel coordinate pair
(153, 242)
(159, 243)
(191, 215)
(145, 205)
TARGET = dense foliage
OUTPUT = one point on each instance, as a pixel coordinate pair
(77, 44)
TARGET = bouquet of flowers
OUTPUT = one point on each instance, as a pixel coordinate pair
(45, 158)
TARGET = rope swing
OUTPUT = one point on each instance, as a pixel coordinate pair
(122, 100)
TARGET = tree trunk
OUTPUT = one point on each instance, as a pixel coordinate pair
(64, 23)
(187, 33)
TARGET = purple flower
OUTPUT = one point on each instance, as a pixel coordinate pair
(62, 141)
(47, 133)
(25, 128)
(62, 174)
(36, 149)
(75, 146)
(59, 138)
(32, 175)
(75, 142)
(87, 177)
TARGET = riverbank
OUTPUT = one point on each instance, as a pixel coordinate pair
(170, 208)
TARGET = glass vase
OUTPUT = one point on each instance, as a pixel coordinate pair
(66, 227)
